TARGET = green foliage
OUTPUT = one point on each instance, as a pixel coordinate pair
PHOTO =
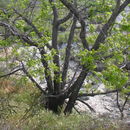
(100, 10)
(5, 43)
(115, 76)
(125, 28)
(20, 24)
(88, 58)
(91, 38)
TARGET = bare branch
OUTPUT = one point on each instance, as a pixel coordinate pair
(121, 108)
(74, 108)
(118, 4)
(126, 2)
(94, 94)
(118, 104)
(67, 17)
(126, 100)
(72, 80)
(11, 73)
(86, 104)
(32, 79)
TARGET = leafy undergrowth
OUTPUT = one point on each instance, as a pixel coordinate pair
(20, 110)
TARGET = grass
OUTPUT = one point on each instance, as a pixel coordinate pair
(20, 110)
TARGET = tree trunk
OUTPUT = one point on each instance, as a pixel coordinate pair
(75, 90)
(55, 104)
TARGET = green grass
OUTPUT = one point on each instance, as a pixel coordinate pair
(21, 110)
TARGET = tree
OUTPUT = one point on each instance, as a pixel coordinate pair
(93, 39)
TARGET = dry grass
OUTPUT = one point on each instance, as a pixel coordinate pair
(8, 86)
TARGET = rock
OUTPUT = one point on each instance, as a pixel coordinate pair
(127, 124)
(127, 66)
(104, 105)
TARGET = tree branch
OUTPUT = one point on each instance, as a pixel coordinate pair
(32, 25)
(29, 23)
(11, 73)
(74, 10)
(95, 94)
(14, 32)
(32, 79)
(42, 52)
(28, 40)
(57, 84)
(121, 108)
(74, 108)
(104, 31)
(47, 70)
(126, 100)
(86, 104)
(74, 89)
(67, 53)
(67, 17)
(31, 43)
